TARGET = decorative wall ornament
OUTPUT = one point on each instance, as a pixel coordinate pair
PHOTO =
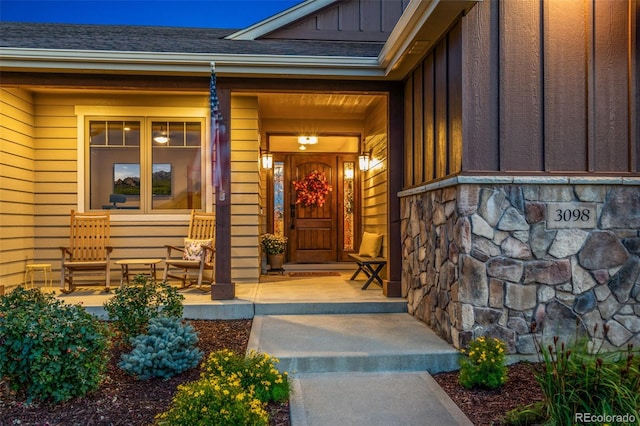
(312, 190)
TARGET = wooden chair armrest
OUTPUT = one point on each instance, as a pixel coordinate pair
(170, 248)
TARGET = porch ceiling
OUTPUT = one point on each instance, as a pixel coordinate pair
(316, 105)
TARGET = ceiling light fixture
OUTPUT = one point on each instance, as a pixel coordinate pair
(307, 140)
(163, 136)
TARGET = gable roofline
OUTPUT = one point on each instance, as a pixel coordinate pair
(419, 28)
(417, 31)
(280, 20)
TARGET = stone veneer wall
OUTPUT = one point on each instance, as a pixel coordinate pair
(481, 259)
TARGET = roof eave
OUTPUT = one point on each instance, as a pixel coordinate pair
(421, 25)
(91, 61)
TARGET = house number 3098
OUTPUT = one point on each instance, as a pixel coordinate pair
(574, 215)
(571, 215)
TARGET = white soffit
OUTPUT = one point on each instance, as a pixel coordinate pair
(280, 20)
(421, 25)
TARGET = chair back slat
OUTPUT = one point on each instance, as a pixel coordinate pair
(202, 226)
(89, 236)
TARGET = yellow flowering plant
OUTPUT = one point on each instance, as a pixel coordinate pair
(273, 244)
(214, 400)
(232, 390)
(256, 371)
(482, 364)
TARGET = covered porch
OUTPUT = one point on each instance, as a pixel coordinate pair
(316, 292)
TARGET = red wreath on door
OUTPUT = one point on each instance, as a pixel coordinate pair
(312, 190)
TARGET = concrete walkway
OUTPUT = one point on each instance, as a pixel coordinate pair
(354, 356)
(360, 369)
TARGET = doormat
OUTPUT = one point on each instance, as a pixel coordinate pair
(315, 274)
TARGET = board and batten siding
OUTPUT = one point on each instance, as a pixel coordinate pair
(433, 113)
(375, 197)
(18, 156)
(548, 86)
(527, 87)
(246, 196)
(351, 20)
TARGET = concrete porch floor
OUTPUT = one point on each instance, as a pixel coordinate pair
(274, 295)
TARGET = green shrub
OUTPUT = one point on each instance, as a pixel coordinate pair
(214, 400)
(49, 350)
(578, 380)
(256, 370)
(232, 390)
(133, 306)
(483, 364)
(167, 349)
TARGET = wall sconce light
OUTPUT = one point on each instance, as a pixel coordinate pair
(163, 135)
(267, 160)
(364, 161)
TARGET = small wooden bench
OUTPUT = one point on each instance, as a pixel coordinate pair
(371, 266)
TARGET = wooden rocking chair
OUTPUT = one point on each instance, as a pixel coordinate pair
(89, 251)
(196, 256)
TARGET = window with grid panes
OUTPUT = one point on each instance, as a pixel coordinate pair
(145, 165)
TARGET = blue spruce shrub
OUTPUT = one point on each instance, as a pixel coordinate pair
(167, 349)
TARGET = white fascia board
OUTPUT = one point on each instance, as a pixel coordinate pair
(192, 64)
(279, 20)
(413, 18)
(422, 23)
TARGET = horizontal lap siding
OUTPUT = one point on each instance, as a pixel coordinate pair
(55, 183)
(245, 189)
(554, 79)
(375, 181)
(17, 159)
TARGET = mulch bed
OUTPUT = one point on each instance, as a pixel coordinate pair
(123, 400)
(488, 407)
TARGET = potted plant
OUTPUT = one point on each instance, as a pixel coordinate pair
(274, 246)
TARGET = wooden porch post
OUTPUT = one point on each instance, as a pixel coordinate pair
(224, 288)
(392, 286)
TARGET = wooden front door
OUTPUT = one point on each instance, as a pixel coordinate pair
(313, 229)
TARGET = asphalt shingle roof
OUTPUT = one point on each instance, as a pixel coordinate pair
(167, 39)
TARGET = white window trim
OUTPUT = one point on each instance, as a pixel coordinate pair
(82, 111)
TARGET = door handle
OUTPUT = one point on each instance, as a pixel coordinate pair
(292, 215)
